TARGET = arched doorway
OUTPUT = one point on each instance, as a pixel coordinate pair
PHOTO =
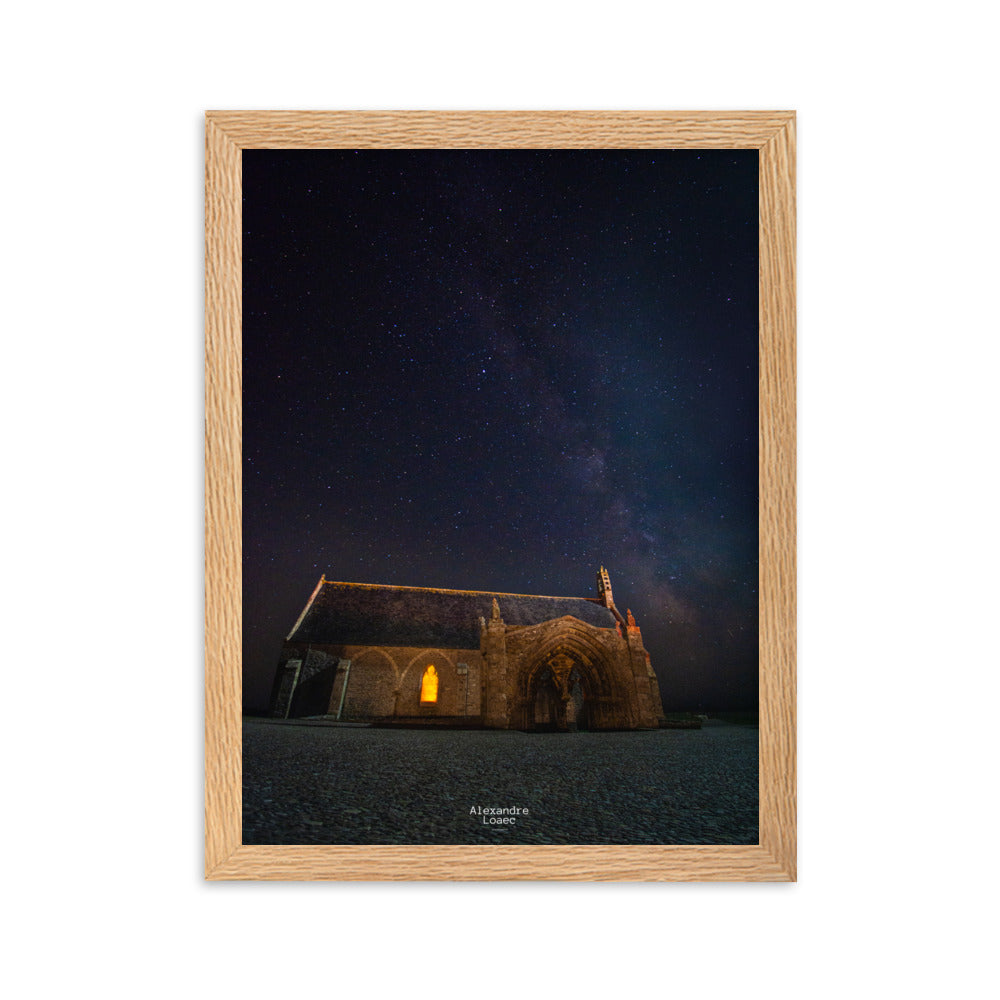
(571, 675)
(558, 696)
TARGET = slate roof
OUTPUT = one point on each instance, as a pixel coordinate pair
(365, 614)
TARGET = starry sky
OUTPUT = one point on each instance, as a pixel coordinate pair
(499, 370)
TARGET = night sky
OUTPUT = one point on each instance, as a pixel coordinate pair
(499, 370)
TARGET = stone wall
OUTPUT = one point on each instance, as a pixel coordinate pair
(381, 681)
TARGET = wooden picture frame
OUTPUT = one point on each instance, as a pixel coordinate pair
(228, 133)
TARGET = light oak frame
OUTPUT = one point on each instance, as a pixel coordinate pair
(228, 133)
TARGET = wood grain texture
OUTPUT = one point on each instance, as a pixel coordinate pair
(776, 437)
(498, 129)
(477, 864)
(227, 134)
(223, 482)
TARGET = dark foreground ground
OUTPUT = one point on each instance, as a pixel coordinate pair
(348, 785)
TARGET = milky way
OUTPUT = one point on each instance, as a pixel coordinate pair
(500, 370)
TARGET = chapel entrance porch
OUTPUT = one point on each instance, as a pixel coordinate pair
(557, 698)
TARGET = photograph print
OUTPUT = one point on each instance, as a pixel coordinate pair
(500, 496)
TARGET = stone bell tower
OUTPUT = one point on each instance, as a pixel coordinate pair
(604, 588)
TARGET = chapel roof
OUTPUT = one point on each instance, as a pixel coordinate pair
(366, 614)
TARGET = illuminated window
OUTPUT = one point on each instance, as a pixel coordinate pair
(429, 686)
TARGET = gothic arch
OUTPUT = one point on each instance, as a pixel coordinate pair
(582, 653)
(371, 684)
(422, 659)
(373, 653)
(573, 638)
(410, 681)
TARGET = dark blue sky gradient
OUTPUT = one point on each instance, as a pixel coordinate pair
(499, 370)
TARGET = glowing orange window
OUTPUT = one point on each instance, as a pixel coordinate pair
(429, 686)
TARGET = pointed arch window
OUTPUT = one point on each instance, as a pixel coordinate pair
(429, 686)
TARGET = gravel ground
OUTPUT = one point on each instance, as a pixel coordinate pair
(348, 785)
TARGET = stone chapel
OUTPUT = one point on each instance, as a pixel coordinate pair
(427, 657)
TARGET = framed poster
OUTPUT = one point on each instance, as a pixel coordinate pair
(471, 357)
